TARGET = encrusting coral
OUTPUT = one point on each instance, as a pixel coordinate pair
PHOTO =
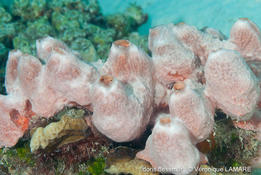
(191, 72)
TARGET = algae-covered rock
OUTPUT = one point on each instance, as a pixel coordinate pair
(7, 31)
(22, 43)
(16, 160)
(90, 7)
(65, 131)
(86, 49)
(28, 9)
(121, 23)
(136, 13)
(101, 38)
(71, 34)
(39, 28)
(3, 52)
(63, 22)
(128, 21)
(233, 146)
(25, 40)
(4, 15)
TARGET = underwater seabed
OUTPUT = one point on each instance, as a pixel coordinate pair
(64, 43)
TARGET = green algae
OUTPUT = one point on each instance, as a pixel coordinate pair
(86, 49)
(96, 166)
(233, 146)
(25, 155)
(17, 159)
(4, 15)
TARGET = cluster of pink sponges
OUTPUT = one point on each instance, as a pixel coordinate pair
(191, 72)
(47, 87)
(206, 73)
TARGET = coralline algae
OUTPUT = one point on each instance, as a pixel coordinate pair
(191, 72)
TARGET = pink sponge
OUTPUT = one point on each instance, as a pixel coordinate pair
(24, 79)
(200, 43)
(14, 120)
(113, 104)
(123, 98)
(46, 45)
(172, 61)
(169, 147)
(63, 79)
(231, 84)
(194, 109)
(246, 35)
(126, 62)
(69, 76)
(11, 76)
(29, 72)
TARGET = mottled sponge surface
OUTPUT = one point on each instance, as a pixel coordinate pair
(170, 147)
(246, 36)
(114, 116)
(123, 97)
(171, 59)
(231, 84)
(127, 62)
(200, 43)
(69, 76)
(10, 132)
(194, 109)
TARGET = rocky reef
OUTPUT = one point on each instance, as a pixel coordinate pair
(196, 96)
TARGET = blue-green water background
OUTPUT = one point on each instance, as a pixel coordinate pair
(218, 14)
